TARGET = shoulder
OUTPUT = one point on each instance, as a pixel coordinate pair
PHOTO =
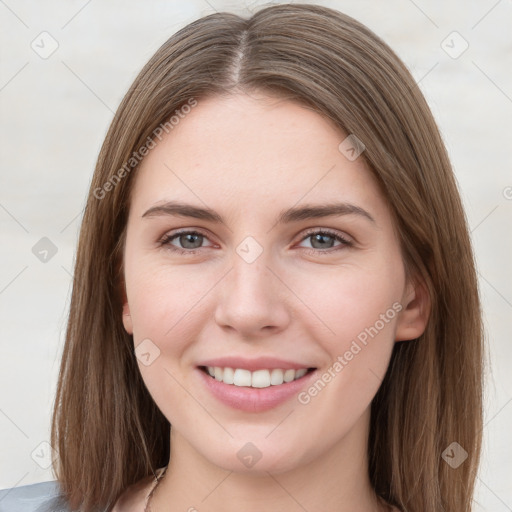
(47, 497)
(41, 497)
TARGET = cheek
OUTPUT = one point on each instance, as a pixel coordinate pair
(357, 314)
(165, 303)
(350, 301)
(356, 311)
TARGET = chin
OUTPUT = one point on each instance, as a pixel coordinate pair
(255, 458)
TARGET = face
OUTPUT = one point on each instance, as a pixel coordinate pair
(251, 276)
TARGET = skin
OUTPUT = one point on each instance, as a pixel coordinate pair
(248, 157)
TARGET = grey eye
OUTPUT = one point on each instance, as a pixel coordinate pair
(190, 240)
(323, 241)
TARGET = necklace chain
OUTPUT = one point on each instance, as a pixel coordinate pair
(158, 478)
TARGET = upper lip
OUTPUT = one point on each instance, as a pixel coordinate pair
(258, 363)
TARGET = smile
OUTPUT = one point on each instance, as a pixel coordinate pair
(255, 379)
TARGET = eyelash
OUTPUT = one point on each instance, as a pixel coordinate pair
(168, 238)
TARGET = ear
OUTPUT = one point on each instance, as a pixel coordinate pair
(127, 317)
(414, 316)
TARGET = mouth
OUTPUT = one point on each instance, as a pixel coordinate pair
(261, 378)
(255, 384)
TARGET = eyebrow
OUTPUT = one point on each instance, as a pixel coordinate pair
(294, 214)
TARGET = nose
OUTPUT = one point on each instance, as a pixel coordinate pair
(252, 299)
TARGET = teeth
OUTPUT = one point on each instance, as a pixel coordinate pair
(228, 376)
(241, 378)
(256, 379)
(289, 375)
(260, 379)
(276, 377)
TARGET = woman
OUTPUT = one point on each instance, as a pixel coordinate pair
(274, 260)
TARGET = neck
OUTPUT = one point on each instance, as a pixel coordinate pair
(335, 481)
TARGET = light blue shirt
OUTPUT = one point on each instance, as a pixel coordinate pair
(42, 497)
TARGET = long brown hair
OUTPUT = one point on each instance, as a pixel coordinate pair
(107, 429)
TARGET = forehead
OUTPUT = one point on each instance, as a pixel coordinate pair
(262, 150)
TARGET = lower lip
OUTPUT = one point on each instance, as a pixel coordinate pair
(254, 399)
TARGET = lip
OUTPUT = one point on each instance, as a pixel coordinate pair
(254, 399)
(258, 363)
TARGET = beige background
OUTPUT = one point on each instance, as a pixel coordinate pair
(55, 112)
